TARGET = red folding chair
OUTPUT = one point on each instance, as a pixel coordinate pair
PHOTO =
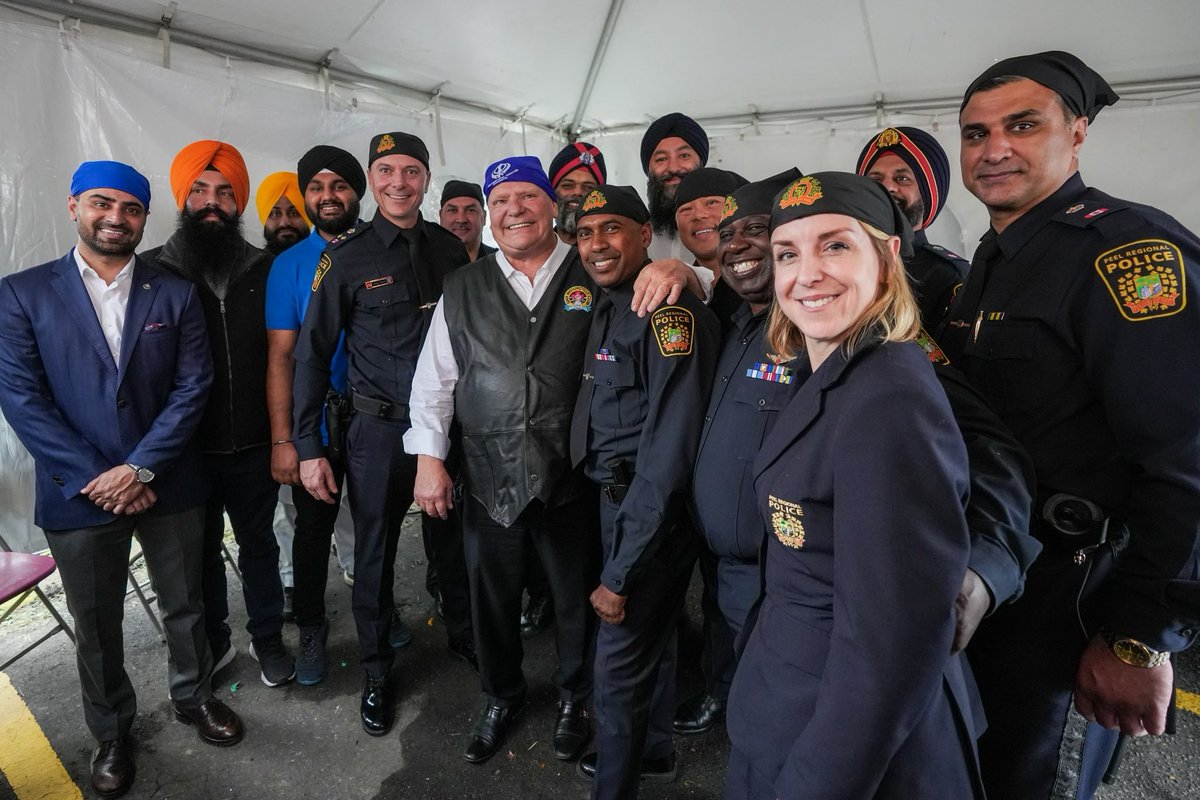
(20, 574)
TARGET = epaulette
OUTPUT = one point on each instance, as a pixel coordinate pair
(1082, 215)
(342, 238)
(944, 253)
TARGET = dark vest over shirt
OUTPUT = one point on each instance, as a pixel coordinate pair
(518, 377)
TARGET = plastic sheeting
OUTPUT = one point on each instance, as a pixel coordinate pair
(73, 95)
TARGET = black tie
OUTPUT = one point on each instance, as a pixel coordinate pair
(581, 419)
(954, 334)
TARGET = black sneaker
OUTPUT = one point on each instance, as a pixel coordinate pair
(311, 667)
(278, 667)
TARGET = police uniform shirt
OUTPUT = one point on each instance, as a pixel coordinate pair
(935, 274)
(1076, 326)
(648, 380)
(369, 285)
(750, 389)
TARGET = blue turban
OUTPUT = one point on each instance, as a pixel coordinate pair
(527, 169)
(111, 175)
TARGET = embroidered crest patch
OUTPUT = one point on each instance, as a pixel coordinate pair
(786, 521)
(386, 142)
(931, 348)
(1145, 278)
(673, 330)
(887, 138)
(595, 199)
(803, 192)
(322, 267)
(577, 298)
(730, 208)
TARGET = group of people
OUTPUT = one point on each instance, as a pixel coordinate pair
(945, 514)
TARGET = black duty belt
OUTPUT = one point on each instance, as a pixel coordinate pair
(378, 408)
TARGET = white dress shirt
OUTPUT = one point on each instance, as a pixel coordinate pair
(431, 401)
(109, 300)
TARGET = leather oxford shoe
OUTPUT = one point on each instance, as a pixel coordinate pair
(491, 731)
(654, 770)
(215, 722)
(376, 707)
(698, 715)
(538, 615)
(112, 767)
(571, 731)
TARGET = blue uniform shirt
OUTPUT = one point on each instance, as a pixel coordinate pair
(289, 289)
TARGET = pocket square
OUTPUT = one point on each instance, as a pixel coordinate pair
(153, 326)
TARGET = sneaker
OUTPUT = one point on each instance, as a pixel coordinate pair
(310, 663)
(348, 577)
(223, 653)
(289, 614)
(278, 667)
(399, 635)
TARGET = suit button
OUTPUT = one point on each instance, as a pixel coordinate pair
(762, 402)
(533, 478)
(57, 480)
(724, 378)
(533, 319)
(532, 422)
(609, 381)
(122, 403)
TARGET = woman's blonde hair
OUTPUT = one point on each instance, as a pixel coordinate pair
(893, 313)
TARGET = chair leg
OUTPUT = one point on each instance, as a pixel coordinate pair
(62, 623)
(229, 559)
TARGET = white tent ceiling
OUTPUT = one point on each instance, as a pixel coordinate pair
(712, 59)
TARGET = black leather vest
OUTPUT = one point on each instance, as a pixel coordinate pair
(518, 377)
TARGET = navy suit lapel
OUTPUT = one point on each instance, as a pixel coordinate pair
(142, 290)
(70, 289)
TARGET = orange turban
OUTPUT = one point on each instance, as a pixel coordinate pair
(275, 186)
(206, 154)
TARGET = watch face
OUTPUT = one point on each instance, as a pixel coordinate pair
(144, 475)
(1132, 652)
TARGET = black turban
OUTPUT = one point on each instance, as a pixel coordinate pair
(620, 201)
(923, 155)
(674, 124)
(577, 155)
(1080, 86)
(706, 182)
(336, 160)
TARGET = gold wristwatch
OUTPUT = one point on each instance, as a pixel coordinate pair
(1133, 652)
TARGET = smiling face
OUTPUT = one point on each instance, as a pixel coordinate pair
(522, 219)
(110, 221)
(697, 224)
(746, 263)
(399, 183)
(331, 203)
(827, 273)
(1018, 147)
(465, 218)
(894, 174)
(612, 247)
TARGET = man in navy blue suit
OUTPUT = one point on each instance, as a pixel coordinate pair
(104, 373)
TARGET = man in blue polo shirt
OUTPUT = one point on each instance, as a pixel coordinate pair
(332, 181)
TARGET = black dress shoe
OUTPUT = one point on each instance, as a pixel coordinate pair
(491, 731)
(571, 731)
(654, 770)
(700, 714)
(215, 722)
(112, 767)
(538, 615)
(464, 650)
(376, 706)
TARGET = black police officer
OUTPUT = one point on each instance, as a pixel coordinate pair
(378, 283)
(634, 432)
(1074, 301)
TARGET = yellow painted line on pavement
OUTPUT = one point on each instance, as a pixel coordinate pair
(1188, 701)
(27, 760)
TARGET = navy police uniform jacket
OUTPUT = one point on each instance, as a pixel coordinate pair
(1076, 325)
(645, 383)
(379, 283)
(79, 413)
(847, 688)
(934, 274)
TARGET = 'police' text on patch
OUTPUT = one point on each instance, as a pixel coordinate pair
(1145, 278)
(786, 521)
(673, 330)
(322, 267)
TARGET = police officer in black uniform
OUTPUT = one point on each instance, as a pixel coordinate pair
(1074, 304)
(913, 167)
(378, 283)
(635, 430)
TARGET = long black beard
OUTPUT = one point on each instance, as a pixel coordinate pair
(339, 224)
(662, 204)
(210, 250)
(567, 218)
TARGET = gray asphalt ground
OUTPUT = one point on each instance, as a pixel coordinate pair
(305, 743)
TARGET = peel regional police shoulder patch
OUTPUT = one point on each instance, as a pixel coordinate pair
(673, 327)
(322, 267)
(1145, 278)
